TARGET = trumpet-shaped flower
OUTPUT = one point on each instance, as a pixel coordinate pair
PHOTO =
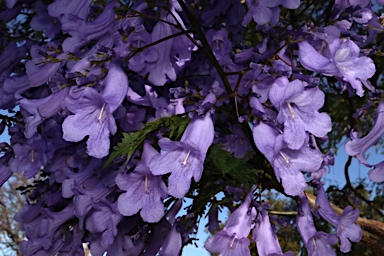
(144, 191)
(299, 111)
(358, 146)
(342, 60)
(265, 237)
(93, 112)
(346, 229)
(232, 240)
(184, 159)
(316, 242)
(287, 163)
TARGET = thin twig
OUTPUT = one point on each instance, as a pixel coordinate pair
(349, 185)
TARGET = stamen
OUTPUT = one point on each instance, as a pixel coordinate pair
(233, 241)
(33, 155)
(101, 113)
(314, 243)
(217, 44)
(291, 109)
(285, 157)
(246, 84)
(186, 158)
(146, 185)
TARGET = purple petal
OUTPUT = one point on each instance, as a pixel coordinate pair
(115, 86)
(358, 147)
(290, 4)
(227, 245)
(162, 70)
(377, 173)
(172, 244)
(200, 131)
(265, 136)
(313, 60)
(294, 183)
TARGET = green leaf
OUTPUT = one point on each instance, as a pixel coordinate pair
(229, 165)
(131, 141)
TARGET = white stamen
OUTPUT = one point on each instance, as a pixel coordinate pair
(146, 185)
(33, 155)
(101, 113)
(186, 158)
(291, 110)
(314, 243)
(246, 84)
(233, 241)
(285, 157)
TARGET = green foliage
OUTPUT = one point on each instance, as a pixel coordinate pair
(228, 165)
(131, 141)
(220, 165)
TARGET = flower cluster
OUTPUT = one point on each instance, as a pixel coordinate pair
(127, 107)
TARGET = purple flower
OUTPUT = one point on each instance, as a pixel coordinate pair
(103, 219)
(264, 235)
(227, 245)
(82, 31)
(10, 3)
(316, 242)
(184, 159)
(136, 40)
(144, 191)
(10, 57)
(261, 12)
(36, 111)
(342, 60)
(358, 146)
(161, 70)
(65, 10)
(299, 111)
(232, 240)
(237, 143)
(264, 11)
(182, 46)
(341, 5)
(42, 21)
(93, 112)
(29, 157)
(346, 229)
(172, 244)
(377, 173)
(5, 171)
(130, 119)
(42, 226)
(220, 45)
(287, 163)
(40, 74)
(213, 220)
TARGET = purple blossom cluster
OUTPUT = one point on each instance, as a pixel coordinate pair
(86, 74)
